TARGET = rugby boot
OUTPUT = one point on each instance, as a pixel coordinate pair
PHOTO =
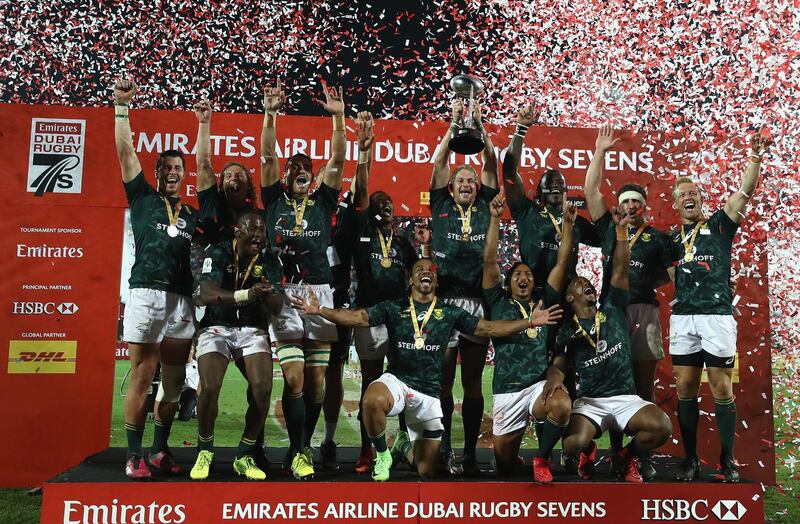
(586, 462)
(365, 458)
(202, 466)
(469, 466)
(260, 457)
(164, 462)
(689, 469)
(448, 464)
(328, 452)
(302, 469)
(136, 468)
(629, 465)
(398, 456)
(729, 472)
(383, 463)
(247, 466)
(541, 470)
(646, 468)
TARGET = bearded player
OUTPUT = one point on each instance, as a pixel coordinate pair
(524, 384)
(597, 343)
(159, 314)
(418, 328)
(459, 219)
(299, 225)
(702, 328)
(650, 259)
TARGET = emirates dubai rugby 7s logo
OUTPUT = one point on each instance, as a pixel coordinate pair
(56, 156)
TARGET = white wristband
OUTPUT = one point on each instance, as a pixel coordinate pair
(241, 296)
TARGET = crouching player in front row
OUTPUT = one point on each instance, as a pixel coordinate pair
(418, 328)
(240, 287)
(598, 343)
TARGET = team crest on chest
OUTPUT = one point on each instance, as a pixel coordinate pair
(258, 270)
(438, 314)
(646, 237)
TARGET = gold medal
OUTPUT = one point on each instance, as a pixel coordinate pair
(688, 243)
(688, 257)
(531, 332)
(466, 219)
(172, 231)
(595, 343)
(299, 211)
(297, 230)
(419, 342)
(386, 246)
(556, 226)
(465, 237)
(386, 263)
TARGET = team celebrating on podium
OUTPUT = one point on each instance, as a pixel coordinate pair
(275, 279)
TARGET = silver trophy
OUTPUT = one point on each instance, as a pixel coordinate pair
(467, 140)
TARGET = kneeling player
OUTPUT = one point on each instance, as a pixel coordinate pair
(234, 286)
(523, 386)
(599, 345)
(418, 328)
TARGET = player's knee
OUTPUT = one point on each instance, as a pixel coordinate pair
(261, 389)
(559, 407)
(687, 386)
(172, 379)
(294, 380)
(373, 402)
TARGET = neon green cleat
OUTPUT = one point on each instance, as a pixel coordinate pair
(383, 463)
(302, 467)
(247, 466)
(401, 442)
(202, 466)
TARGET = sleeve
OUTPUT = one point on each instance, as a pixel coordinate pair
(618, 298)
(563, 337)
(379, 313)
(605, 228)
(213, 265)
(270, 193)
(551, 296)
(665, 256)
(137, 188)
(589, 233)
(494, 295)
(519, 207)
(207, 199)
(439, 199)
(346, 216)
(488, 193)
(726, 226)
(326, 196)
(273, 270)
(672, 249)
(464, 322)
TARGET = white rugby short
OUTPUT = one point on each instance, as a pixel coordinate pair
(422, 411)
(610, 412)
(513, 411)
(232, 342)
(152, 314)
(289, 324)
(714, 334)
(372, 343)
(473, 306)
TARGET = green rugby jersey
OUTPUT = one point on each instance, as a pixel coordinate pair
(459, 262)
(651, 255)
(162, 261)
(217, 219)
(538, 245)
(305, 256)
(605, 371)
(519, 360)
(420, 369)
(702, 286)
(218, 267)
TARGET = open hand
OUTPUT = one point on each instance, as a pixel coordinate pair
(545, 317)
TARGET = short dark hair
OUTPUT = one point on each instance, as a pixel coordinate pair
(169, 153)
(633, 187)
(546, 176)
(300, 156)
(511, 270)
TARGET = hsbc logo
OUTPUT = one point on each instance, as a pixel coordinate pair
(44, 308)
(698, 510)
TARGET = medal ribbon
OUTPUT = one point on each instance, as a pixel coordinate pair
(638, 233)
(385, 246)
(299, 211)
(525, 314)
(688, 246)
(172, 217)
(554, 221)
(466, 218)
(419, 327)
(596, 328)
(236, 267)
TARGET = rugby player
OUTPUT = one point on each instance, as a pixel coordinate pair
(598, 344)
(159, 314)
(524, 385)
(299, 225)
(418, 329)
(240, 287)
(702, 328)
(459, 219)
(650, 259)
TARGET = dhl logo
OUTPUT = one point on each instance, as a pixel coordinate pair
(42, 356)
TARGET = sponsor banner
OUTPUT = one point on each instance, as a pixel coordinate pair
(42, 356)
(401, 502)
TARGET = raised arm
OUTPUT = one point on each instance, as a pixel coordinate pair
(591, 186)
(366, 137)
(205, 173)
(357, 317)
(489, 169)
(334, 104)
(506, 328)
(441, 160)
(273, 100)
(737, 202)
(557, 278)
(491, 268)
(622, 251)
(511, 180)
(128, 161)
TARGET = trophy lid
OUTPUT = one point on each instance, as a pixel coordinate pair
(464, 85)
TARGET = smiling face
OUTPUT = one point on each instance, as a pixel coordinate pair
(381, 206)
(423, 277)
(581, 293)
(235, 181)
(688, 201)
(520, 282)
(170, 173)
(299, 175)
(251, 232)
(553, 186)
(465, 186)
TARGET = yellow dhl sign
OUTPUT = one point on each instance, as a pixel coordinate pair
(42, 356)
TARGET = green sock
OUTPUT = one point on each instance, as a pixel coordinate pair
(688, 418)
(379, 441)
(246, 447)
(160, 436)
(725, 411)
(633, 448)
(551, 434)
(205, 443)
(294, 411)
(134, 434)
(313, 409)
(447, 421)
(538, 427)
(364, 436)
(401, 420)
(472, 415)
